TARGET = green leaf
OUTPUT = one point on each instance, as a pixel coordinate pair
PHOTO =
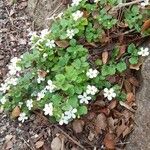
(73, 101)
(82, 110)
(131, 48)
(133, 60)
(60, 78)
(56, 99)
(121, 66)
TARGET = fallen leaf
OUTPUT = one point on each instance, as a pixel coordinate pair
(42, 73)
(120, 129)
(56, 144)
(78, 126)
(8, 137)
(91, 136)
(127, 86)
(105, 57)
(109, 141)
(126, 106)
(112, 104)
(127, 131)
(112, 123)
(16, 112)
(106, 111)
(39, 144)
(100, 123)
(133, 81)
(136, 66)
(130, 97)
(62, 44)
(146, 25)
(122, 50)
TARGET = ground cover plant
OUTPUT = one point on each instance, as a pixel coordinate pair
(67, 69)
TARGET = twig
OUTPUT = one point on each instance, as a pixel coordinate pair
(125, 4)
(74, 141)
(21, 138)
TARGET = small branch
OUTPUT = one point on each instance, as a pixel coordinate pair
(70, 138)
(124, 5)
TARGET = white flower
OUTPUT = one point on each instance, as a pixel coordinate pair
(44, 33)
(109, 93)
(22, 117)
(3, 100)
(91, 90)
(63, 120)
(15, 60)
(50, 87)
(75, 2)
(143, 52)
(76, 15)
(4, 87)
(50, 43)
(45, 55)
(13, 68)
(11, 81)
(84, 98)
(41, 95)
(39, 79)
(96, 1)
(92, 73)
(71, 113)
(48, 110)
(70, 33)
(145, 3)
(29, 104)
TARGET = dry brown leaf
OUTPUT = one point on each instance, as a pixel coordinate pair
(42, 73)
(91, 136)
(56, 144)
(112, 104)
(126, 106)
(39, 144)
(127, 131)
(120, 129)
(105, 57)
(137, 66)
(133, 81)
(100, 123)
(130, 97)
(109, 141)
(78, 126)
(146, 25)
(62, 44)
(112, 123)
(16, 112)
(95, 14)
(127, 86)
(106, 111)
(122, 50)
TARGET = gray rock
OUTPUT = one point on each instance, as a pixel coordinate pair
(140, 138)
(42, 11)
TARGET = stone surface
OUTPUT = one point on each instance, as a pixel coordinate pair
(43, 11)
(140, 138)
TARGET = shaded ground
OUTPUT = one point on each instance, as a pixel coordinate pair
(38, 133)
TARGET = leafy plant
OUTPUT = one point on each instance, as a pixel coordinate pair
(57, 76)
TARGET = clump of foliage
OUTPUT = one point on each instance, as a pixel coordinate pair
(58, 77)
